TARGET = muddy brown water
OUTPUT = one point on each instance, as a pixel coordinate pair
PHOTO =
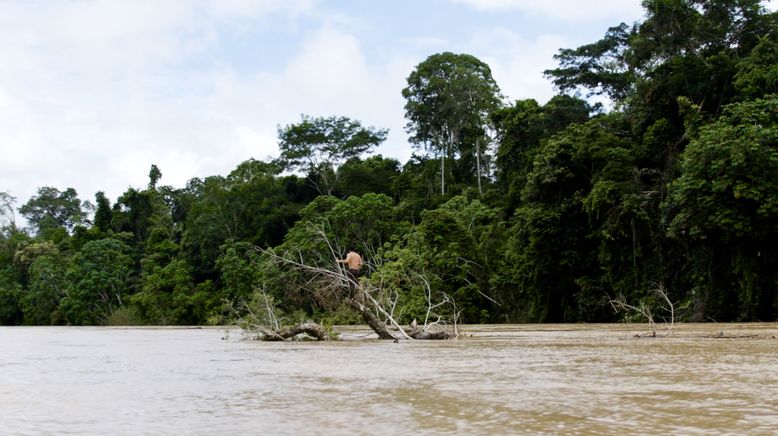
(499, 379)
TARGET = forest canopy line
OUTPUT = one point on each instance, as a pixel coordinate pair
(519, 211)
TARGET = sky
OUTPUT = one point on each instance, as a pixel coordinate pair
(93, 92)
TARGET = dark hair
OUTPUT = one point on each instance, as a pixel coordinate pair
(351, 247)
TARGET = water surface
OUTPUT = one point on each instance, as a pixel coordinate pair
(508, 379)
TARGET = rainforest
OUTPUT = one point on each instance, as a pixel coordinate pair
(651, 178)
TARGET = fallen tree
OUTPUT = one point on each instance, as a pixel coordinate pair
(382, 328)
(375, 303)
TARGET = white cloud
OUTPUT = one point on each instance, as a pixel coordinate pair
(93, 92)
(426, 41)
(518, 62)
(328, 75)
(569, 10)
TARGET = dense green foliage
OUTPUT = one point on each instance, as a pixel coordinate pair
(449, 98)
(520, 212)
(321, 145)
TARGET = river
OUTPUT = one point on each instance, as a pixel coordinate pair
(504, 379)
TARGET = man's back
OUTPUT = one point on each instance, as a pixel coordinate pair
(353, 260)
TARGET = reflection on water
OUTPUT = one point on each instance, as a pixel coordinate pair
(557, 379)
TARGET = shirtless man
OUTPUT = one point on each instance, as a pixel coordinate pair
(353, 262)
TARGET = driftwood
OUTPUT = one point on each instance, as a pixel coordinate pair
(310, 328)
(418, 333)
(378, 326)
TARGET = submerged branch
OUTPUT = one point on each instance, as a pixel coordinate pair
(310, 328)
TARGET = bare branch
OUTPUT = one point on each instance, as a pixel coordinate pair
(620, 304)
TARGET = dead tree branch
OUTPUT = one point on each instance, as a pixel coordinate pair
(375, 304)
(644, 310)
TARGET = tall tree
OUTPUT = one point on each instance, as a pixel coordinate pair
(54, 208)
(446, 94)
(320, 145)
(600, 67)
(683, 48)
(103, 214)
(154, 175)
(134, 210)
(7, 216)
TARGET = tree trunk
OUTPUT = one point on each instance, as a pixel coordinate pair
(371, 320)
(418, 333)
(443, 174)
(478, 165)
(283, 334)
(383, 331)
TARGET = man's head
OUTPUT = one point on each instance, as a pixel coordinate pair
(351, 247)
